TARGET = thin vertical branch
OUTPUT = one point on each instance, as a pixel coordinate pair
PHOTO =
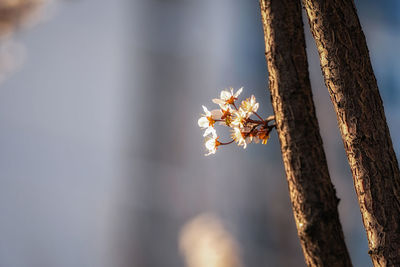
(312, 194)
(354, 92)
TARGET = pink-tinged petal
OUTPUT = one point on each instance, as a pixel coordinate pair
(216, 114)
(249, 139)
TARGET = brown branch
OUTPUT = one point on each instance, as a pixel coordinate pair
(348, 74)
(312, 194)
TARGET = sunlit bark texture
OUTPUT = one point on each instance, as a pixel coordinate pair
(346, 66)
(311, 192)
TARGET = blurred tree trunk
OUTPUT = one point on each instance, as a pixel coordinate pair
(348, 73)
(312, 194)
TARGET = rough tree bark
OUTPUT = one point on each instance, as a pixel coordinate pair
(346, 66)
(312, 194)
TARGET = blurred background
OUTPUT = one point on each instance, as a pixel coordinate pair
(101, 159)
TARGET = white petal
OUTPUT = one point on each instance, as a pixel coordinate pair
(224, 106)
(255, 108)
(210, 144)
(238, 92)
(206, 111)
(210, 130)
(218, 101)
(211, 152)
(225, 95)
(203, 122)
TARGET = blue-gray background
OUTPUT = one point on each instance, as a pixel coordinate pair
(101, 158)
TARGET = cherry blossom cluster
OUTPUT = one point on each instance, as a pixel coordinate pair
(243, 128)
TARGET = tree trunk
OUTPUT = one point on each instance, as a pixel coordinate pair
(354, 92)
(312, 194)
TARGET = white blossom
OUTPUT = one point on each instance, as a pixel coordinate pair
(211, 144)
(250, 105)
(240, 138)
(239, 117)
(208, 119)
(244, 130)
(227, 97)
